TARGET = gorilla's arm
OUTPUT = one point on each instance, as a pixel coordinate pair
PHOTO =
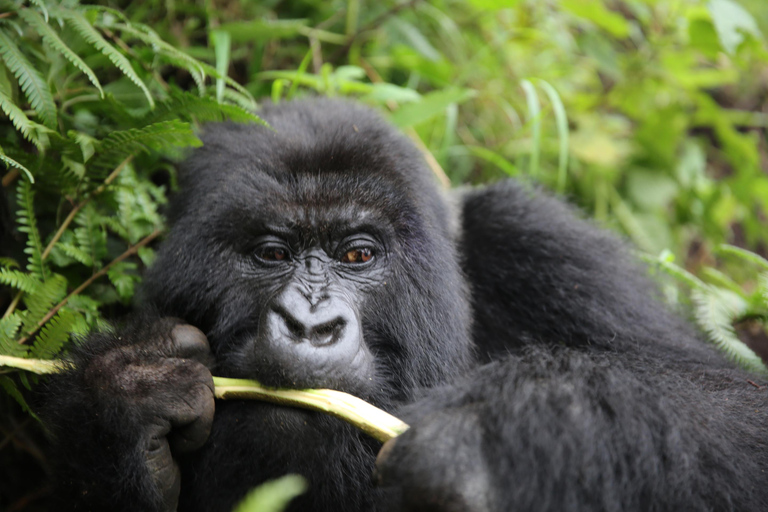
(563, 430)
(128, 402)
(596, 399)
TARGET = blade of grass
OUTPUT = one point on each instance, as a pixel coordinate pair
(222, 42)
(534, 118)
(561, 119)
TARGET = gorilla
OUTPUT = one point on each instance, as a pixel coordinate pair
(529, 353)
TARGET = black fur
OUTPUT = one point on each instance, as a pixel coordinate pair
(530, 356)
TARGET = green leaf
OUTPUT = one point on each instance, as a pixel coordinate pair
(10, 162)
(146, 34)
(53, 40)
(263, 29)
(53, 335)
(10, 388)
(30, 80)
(36, 133)
(273, 496)
(716, 310)
(416, 39)
(431, 104)
(494, 158)
(28, 224)
(81, 25)
(563, 133)
(42, 6)
(161, 136)
(596, 12)
(302, 69)
(124, 278)
(651, 190)
(743, 255)
(731, 22)
(76, 253)
(19, 280)
(383, 92)
(534, 119)
(91, 238)
(222, 43)
(42, 300)
(9, 328)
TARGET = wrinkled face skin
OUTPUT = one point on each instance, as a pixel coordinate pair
(310, 272)
(316, 255)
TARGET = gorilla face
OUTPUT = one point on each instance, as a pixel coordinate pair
(309, 260)
(311, 273)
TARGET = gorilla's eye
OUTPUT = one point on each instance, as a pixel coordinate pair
(358, 255)
(272, 253)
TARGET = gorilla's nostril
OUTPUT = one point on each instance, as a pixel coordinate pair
(295, 327)
(327, 333)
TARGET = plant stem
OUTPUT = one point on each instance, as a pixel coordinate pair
(38, 366)
(13, 304)
(131, 250)
(359, 413)
(373, 421)
(79, 206)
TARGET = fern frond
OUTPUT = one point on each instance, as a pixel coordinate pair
(244, 101)
(10, 387)
(42, 6)
(9, 262)
(202, 109)
(10, 162)
(53, 335)
(124, 278)
(28, 224)
(39, 303)
(76, 254)
(744, 255)
(91, 239)
(165, 51)
(162, 136)
(31, 82)
(19, 280)
(81, 25)
(34, 132)
(716, 310)
(114, 224)
(9, 328)
(197, 74)
(52, 39)
(149, 36)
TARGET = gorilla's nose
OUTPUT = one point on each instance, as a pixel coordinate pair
(311, 340)
(319, 318)
(306, 326)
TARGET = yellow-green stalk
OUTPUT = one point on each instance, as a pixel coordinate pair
(371, 420)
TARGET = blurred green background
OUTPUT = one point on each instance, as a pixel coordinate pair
(650, 115)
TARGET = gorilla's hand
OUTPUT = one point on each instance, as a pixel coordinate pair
(439, 464)
(161, 384)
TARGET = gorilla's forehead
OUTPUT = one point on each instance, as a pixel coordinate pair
(320, 162)
(318, 205)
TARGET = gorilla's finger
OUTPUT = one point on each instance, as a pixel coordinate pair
(162, 468)
(193, 420)
(189, 342)
(380, 477)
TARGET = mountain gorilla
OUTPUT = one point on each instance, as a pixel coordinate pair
(528, 353)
